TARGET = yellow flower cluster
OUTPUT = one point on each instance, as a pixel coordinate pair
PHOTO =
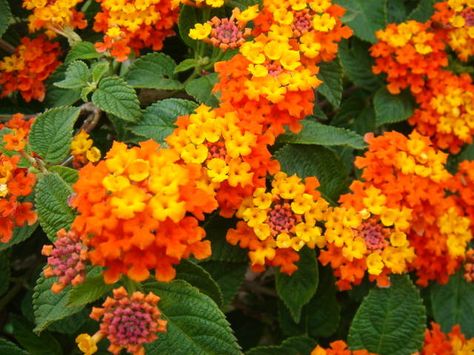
(457, 230)
(56, 16)
(82, 149)
(216, 142)
(288, 214)
(461, 38)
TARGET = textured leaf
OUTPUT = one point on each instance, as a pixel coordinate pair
(51, 133)
(57, 97)
(316, 133)
(315, 161)
(194, 322)
(453, 304)
(51, 201)
(185, 65)
(201, 89)
(396, 11)
(67, 174)
(228, 275)
(71, 324)
(82, 50)
(89, 291)
(98, 70)
(7, 347)
(5, 16)
(292, 346)
(331, 88)
(187, 18)
(158, 119)
(357, 64)
(4, 273)
(20, 234)
(423, 11)
(77, 76)
(390, 320)
(216, 230)
(114, 96)
(153, 71)
(365, 17)
(321, 316)
(296, 290)
(50, 307)
(45, 344)
(392, 108)
(198, 277)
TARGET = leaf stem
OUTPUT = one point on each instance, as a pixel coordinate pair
(7, 47)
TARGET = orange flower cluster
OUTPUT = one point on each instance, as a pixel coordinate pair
(411, 174)
(456, 18)
(409, 53)
(139, 210)
(15, 181)
(446, 111)
(128, 322)
(463, 187)
(338, 347)
(26, 70)
(55, 16)
(367, 233)
(272, 79)
(278, 223)
(133, 25)
(437, 342)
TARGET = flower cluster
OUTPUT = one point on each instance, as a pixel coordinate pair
(138, 211)
(83, 151)
(128, 322)
(338, 347)
(367, 234)
(27, 69)
(454, 342)
(133, 25)
(411, 174)
(55, 16)
(284, 218)
(463, 187)
(456, 18)
(16, 182)
(66, 260)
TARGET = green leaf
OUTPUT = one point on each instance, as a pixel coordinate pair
(357, 64)
(318, 161)
(453, 304)
(392, 108)
(331, 88)
(153, 71)
(51, 133)
(316, 133)
(71, 324)
(77, 76)
(7, 347)
(82, 50)
(396, 11)
(365, 17)
(321, 316)
(228, 275)
(99, 70)
(114, 96)
(194, 322)
(292, 346)
(216, 230)
(390, 320)
(51, 200)
(201, 279)
(20, 234)
(201, 89)
(188, 16)
(45, 344)
(158, 119)
(50, 307)
(296, 290)
(57, 97)
(67, 174)
(89, 291)
(5, 16)
(4, 273)
(423, 11)
(185, 65)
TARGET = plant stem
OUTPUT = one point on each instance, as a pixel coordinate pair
(7, 47)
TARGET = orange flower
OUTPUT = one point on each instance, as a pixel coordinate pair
(27, 69)
(437, 342)
(338, 347)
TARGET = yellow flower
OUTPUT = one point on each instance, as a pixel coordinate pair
(128, 202)
(375, 264)
(201, 31)
(217, 170)
(302, 203)
(138, 170)
(324, 22)
(375, 201)
(81, 143)
(93, 155)
(215, 3)
(115, 183)
(261, 199)
(164, 207)
(398, 239)
(247, 15)
(194, 154)
(88, 344)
